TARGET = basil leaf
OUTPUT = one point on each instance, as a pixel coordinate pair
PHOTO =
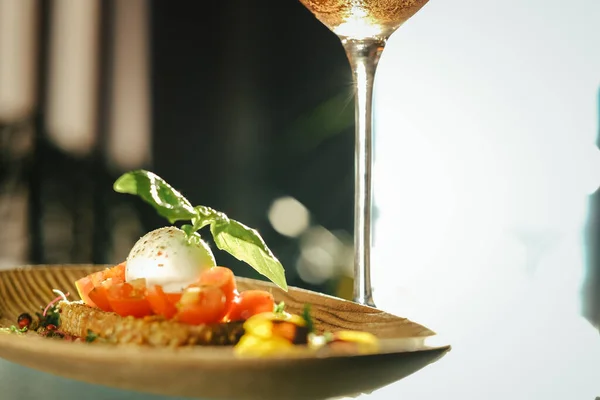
(168, 202)
(209, 214)
(247, 245)
(189, 231)
(206, 216)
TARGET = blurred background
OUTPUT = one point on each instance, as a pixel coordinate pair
(487, 221)
(246, 108)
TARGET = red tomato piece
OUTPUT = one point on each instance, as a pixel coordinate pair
(173, 297)
(116, 273)
(127, 299)
(84, 287)
(99, 295)
(249, 303)
(201, 305)
(134, 307)
(86, 284)
(222, 278)
(162, 303)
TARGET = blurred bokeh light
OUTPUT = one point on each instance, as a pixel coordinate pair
(289, 217)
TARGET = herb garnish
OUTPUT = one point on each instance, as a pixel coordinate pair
(307, 317)
(14, 329)
(52, 317)
(279, 308)
(91, 336)
(237, 239)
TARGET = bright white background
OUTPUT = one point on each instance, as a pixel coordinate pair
(487, 114)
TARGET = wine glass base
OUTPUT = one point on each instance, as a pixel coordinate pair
(365, 301)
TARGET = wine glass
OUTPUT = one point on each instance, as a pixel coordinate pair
(363, 27)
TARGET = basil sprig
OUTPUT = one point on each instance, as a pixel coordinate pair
(237, 239)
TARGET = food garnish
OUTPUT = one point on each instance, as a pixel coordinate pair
(47, 323)
(272, 333)
(91, 336)
(61, 296)
(353, 341)
(279, 308)
(237, 239)
(13, 329)
(308, 319)
(24, 321)
(282, 333)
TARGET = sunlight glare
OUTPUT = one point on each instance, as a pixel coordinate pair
(288, 216)
(358, 25)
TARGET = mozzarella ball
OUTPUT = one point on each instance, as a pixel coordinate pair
(165, 257)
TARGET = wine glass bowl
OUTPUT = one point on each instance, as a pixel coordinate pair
(363, 27)
(363, 19)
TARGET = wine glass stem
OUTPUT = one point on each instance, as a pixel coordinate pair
(363, 56)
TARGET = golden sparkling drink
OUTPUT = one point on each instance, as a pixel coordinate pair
(362, 19)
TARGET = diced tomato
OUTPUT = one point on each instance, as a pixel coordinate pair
(249, 303)
(127, 299)
(222, 278)
(86, 284)
(135, 307)
(201, 305)
(173, 297)
(99, 295)
(84, 287)
(162, 303)
(117, 273)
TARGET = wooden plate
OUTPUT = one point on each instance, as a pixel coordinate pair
(215, 372)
